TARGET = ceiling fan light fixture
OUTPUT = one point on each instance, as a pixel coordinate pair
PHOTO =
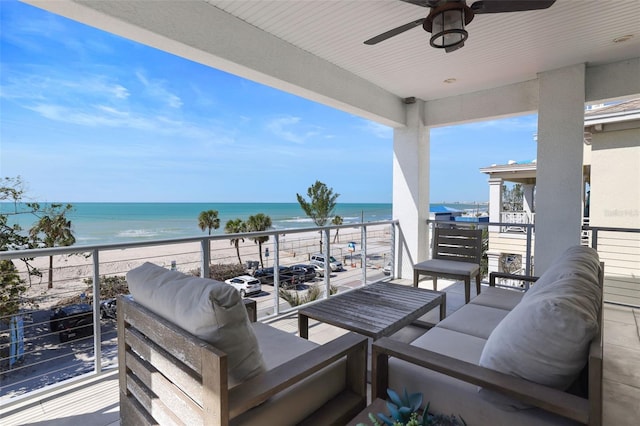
(446, 24)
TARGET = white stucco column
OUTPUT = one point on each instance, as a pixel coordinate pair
(495, 202)
(559, 164)
(527, 198)
(411, 188)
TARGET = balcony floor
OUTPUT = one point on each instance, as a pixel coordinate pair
(96, 402)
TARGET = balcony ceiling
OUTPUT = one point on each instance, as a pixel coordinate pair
(502, 48)
(315, 48)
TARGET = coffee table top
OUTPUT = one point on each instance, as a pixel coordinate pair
(375, 310)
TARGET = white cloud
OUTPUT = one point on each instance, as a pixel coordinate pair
(378, 130)
(291, 129)
(156, 89)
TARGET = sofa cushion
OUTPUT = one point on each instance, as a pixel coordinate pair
(447, 395)
(296, 403)
(576, 261)
(448, 267)
(545, 338)
(500, 298)
(208, 309)
(475, 320)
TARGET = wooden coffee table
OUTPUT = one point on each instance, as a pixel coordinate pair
(375, 310)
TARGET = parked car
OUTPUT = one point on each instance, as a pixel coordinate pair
(319, 259)
(387, 269)
(245, 284)
(72, 322)
(286, 277)
(308, 272)
(319, 270)
(108, 308)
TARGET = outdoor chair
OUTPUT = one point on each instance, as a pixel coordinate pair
(456, 255)
(196, 358)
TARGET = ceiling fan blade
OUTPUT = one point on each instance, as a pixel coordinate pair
(423, 3)
(394, 32)
(499, 6)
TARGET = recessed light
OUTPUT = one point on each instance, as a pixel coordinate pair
(449, 80)
(623, 38)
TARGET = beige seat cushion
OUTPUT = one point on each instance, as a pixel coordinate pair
(475, 320)
(500, 298)
(208, 309)
(299, 401)
(446, 395)
(448, 267)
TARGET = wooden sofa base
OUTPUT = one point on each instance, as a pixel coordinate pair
(583, 410)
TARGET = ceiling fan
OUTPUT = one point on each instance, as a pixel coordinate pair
(447, 19)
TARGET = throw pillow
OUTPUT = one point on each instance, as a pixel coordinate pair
(208, 309)
(575, 261)
(545, 338)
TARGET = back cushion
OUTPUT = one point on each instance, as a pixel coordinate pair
(545, 338)
(578, 261)
(208, 309)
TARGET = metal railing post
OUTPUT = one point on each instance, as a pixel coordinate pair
(205, 258)
(276, 274)
(527, 268)
(594, 239)
(363, 254)
(393, 251)
(327, 263)
(97, 338)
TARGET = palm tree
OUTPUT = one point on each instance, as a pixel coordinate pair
(208, 219)
(236, 226)
(337, 220)
(321, 204)
(257, 223)
(56, 229)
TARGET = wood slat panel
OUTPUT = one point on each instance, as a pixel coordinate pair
(134, 412)
(174, 400)
(166, 364)
(151, 403)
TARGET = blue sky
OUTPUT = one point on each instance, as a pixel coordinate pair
(89, 116)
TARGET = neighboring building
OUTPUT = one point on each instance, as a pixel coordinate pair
(611, 196)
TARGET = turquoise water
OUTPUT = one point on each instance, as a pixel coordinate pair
(101, 223)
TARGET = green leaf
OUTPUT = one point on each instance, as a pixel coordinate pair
(415, 401)
(395, 398)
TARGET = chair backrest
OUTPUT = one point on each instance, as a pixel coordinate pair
(462, 245)
(167, 375)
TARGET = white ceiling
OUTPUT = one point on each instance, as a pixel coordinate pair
(314, 48)
(501, 49)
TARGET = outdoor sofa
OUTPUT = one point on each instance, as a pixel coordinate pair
(510, 357)
(188, 354)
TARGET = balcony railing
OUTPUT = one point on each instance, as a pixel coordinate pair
(33, 356)
(618, 248)
(515, 220)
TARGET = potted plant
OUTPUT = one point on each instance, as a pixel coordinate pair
(405, 411)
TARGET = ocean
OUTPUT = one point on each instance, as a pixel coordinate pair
(103, 223)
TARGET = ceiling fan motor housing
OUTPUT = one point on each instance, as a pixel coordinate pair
(446, 24)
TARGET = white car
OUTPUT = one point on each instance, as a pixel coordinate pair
(387, 269)
(334, 265)
(319, 269)
(245, 284)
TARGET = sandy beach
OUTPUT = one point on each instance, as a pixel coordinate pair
(70, 272)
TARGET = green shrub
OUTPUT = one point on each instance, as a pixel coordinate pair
(110, 287)
(222, 271)
(313, 293)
